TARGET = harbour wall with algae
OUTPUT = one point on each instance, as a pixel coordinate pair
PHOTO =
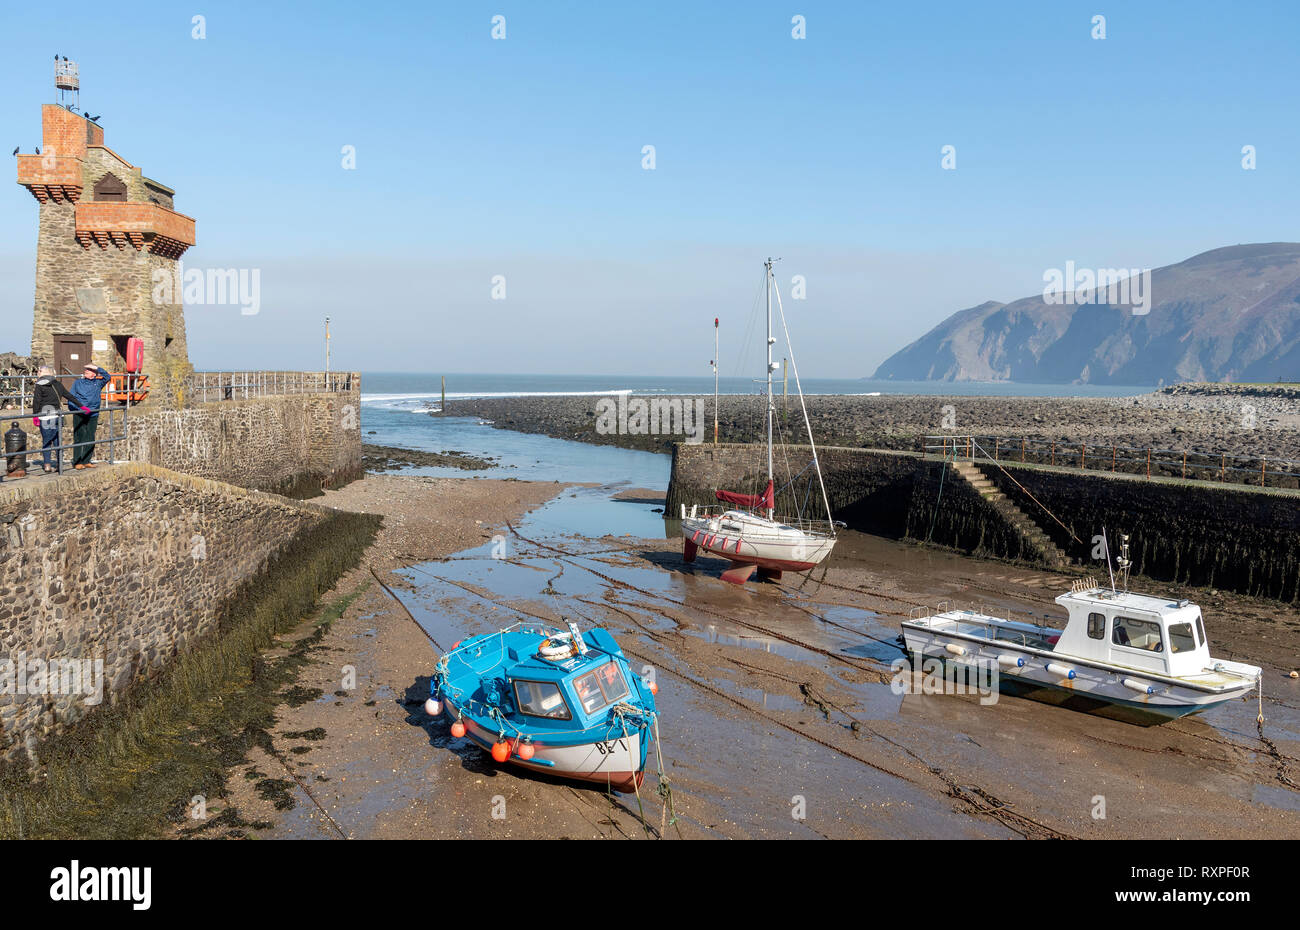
(1199, 533)
(128, 565)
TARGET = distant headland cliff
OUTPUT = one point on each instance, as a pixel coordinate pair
(1230, 314)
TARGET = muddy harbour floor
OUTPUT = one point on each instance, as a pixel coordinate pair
(777, 714)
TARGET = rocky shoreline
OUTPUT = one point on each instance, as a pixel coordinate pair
(1246, 420)
(379, 459)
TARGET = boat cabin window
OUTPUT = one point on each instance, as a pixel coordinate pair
(1097, 626)
(1137, 634)
(541, 699)
(1181, 638)
(1200, 629)
(600, 688)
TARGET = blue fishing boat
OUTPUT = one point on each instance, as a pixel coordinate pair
(549, 700)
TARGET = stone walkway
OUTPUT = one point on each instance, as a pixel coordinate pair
(35, 474)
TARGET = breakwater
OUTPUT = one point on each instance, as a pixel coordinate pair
(1235, 538)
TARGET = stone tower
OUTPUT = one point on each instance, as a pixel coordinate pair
(108, 235)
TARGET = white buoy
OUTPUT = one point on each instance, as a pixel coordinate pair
(1139, 686)
(1064, 671)
(433, 707)
(1011, 661)
(955, 649)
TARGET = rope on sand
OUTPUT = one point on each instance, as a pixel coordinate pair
(405, 609)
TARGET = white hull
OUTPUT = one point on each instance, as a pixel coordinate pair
(747, 539)
(616, 762)
(1032, 664)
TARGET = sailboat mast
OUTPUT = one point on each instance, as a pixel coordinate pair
(715, 380)
(771, 409)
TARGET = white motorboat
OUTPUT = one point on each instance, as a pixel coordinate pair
(754, 538)
(1136, 657)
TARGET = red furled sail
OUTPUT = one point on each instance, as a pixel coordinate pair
(766, 500)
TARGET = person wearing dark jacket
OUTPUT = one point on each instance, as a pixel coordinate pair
(45, 405)
(86, 392)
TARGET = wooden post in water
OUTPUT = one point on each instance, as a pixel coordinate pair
(442, 407)
(1083, 457)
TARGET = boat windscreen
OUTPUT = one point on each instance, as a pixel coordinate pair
(541, 699)
(601, 687)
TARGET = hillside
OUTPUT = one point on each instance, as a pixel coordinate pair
(1230, 314)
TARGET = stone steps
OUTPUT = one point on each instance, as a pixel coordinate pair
(1029, 530)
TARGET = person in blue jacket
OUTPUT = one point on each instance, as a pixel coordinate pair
(86, 392)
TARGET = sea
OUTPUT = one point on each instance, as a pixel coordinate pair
(395, 408)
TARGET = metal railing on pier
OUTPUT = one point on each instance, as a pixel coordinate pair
(1257, 470)
(111, 429)
(16, 390)
(204, 386)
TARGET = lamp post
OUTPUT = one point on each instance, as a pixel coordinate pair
(327, 353)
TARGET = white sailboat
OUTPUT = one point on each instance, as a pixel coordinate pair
(749, 534)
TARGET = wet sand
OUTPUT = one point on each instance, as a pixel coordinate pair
(774, 698)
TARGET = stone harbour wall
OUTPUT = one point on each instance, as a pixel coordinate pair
(1224, 536)
(270, 443)
(1200, 533)
(127, 565)
(287, 443)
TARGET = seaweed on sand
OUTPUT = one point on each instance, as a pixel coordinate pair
(131, 769)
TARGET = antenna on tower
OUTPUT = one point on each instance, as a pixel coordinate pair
(68, 82)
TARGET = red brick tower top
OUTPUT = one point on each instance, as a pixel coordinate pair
(107, 234)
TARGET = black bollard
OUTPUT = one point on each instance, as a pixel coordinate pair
(15, 452)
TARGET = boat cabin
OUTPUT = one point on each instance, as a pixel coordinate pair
(1135, 630)
(570, 693)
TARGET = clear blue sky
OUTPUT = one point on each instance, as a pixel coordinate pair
(522, 158)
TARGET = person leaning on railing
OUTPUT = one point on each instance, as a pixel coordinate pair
(86, 392)
(46, 392)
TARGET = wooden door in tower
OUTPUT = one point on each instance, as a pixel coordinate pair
(71, 354)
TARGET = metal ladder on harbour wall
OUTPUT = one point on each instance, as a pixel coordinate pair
(1028, 530)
